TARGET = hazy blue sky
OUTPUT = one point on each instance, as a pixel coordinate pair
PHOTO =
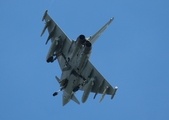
(133, 53)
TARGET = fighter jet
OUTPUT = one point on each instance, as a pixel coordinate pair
(78, 73)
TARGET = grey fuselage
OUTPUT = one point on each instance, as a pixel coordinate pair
(78, 55)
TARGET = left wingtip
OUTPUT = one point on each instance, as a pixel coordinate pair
(46, 11)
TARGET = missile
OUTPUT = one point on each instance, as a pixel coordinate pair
(104, 92)
(51, 34)
(46, 25)
(101, 83)
(87, 90)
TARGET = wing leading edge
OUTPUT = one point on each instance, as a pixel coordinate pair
(60, 41)
(93, 38)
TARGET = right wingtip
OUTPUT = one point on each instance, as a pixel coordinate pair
(111, 19)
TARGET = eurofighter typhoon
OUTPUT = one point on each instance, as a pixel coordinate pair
(78, 73)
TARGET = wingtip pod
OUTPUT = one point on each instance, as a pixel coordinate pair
(111, 19)
(46, 11)
(115, 89)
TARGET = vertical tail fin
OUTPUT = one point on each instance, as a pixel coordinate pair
(66, 98)
(75, 99)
